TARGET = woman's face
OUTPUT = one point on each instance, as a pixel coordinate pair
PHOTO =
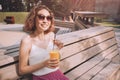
(43, 20)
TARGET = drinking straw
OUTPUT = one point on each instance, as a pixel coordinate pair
(54, 42)
(55, 32)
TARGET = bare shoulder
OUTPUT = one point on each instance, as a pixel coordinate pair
(26, 41)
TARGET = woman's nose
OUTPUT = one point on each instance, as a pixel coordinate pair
(45, 19)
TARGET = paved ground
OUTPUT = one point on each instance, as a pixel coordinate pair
(8, 38)
(11, 34)
(19, 26)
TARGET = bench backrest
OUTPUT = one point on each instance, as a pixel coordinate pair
(79, 24)
(65, 24)
(79, 47)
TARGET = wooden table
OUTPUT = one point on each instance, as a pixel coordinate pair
(87, 17)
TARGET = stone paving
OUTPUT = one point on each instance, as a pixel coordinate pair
(19, 26)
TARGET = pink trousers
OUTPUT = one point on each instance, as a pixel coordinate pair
(57, 75)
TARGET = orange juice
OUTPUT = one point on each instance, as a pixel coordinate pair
(54, 54)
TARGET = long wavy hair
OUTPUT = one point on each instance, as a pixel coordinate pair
(30, 23)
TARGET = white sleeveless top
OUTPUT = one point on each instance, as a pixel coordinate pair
(38, 55)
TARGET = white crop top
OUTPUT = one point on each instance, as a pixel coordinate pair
(38, 55)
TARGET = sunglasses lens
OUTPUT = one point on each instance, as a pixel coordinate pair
(49, 18)
(41, 17)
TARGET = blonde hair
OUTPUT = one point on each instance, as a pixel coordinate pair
(115, 74)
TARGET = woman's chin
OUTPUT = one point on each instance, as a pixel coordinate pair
(45, 29)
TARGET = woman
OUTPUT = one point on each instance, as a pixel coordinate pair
(35, 48)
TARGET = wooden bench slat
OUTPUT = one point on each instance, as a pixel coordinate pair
(9, 73)
(64, 23)
(105, 72)
(116, 59)
(81, 45)
(81, 35)
(10, 47)
(86, 67)
(7, 59)
(2, 51)
(11, 50)
(78, 58)
(94, 71)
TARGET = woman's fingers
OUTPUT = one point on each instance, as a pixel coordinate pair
(59, 44)
(53, 63)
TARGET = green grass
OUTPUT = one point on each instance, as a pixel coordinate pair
(109, 24)
(19, 16)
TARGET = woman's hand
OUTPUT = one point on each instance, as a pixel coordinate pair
(58, 43)
(52, 63)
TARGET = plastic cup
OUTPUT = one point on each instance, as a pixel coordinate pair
(54, 54)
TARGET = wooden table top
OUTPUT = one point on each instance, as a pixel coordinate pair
(90, 14)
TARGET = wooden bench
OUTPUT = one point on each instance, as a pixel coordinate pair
(79, 24)
(65, 24)
(89, 54)
(73, 26)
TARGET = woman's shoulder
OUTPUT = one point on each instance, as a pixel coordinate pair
(26, 40)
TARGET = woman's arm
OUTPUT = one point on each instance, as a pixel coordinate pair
(24, 67)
